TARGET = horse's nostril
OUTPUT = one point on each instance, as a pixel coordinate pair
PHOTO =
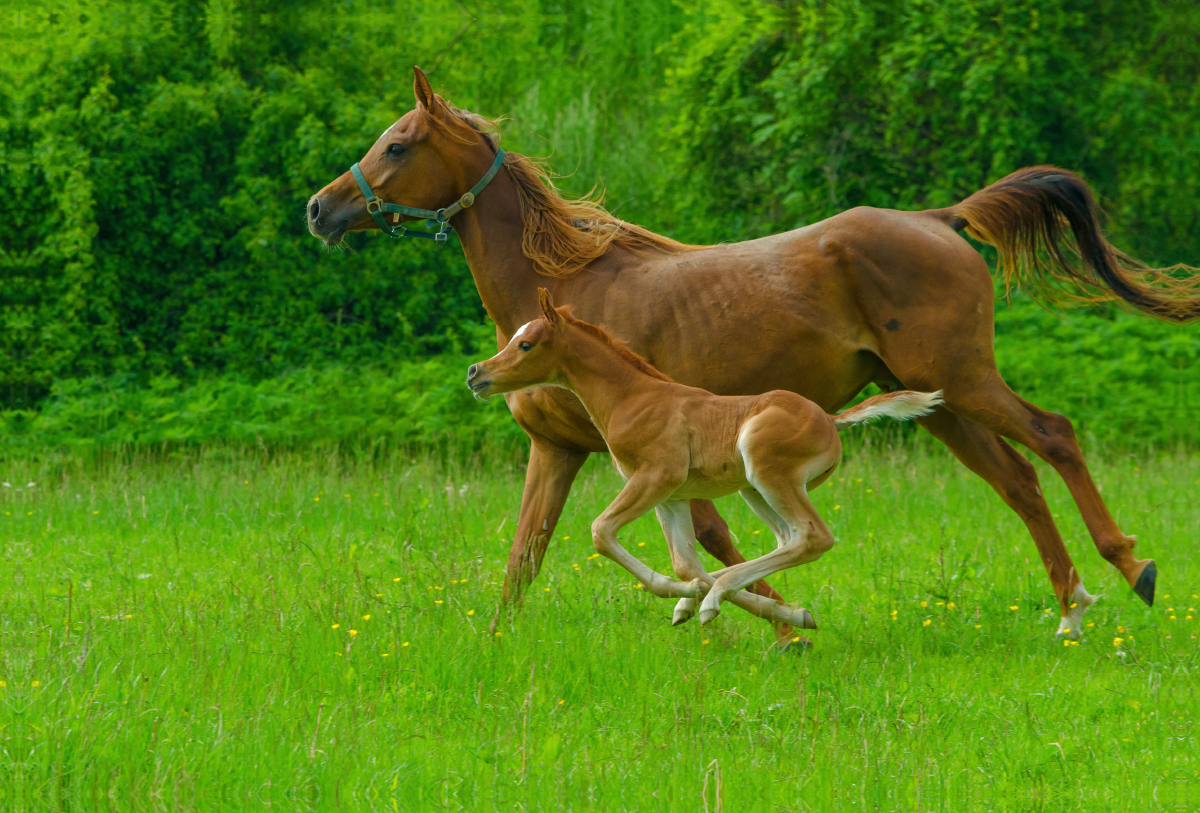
(314, 209)
(471, 370)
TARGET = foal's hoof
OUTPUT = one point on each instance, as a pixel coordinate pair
(684, 610)
(802, 618)
(1144, 586)
(708, 614)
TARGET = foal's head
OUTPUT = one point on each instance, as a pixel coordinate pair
(530, 359)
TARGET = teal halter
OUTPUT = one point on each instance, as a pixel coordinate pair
(439, 219)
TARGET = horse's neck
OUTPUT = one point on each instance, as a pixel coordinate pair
(490, 232)
(601, 377)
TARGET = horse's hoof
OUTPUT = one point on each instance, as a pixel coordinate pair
(797, 643)
(708, 614)
(1144, 586)
(680, 617)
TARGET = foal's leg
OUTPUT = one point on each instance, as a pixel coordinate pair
(1016, 481)
(643, 491)
(804, 537)
(713, 534)
(676, 522)
(686, 607)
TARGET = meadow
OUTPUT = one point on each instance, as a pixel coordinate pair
(233, 627)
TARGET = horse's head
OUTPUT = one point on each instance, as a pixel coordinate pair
(420, 161)
(531, 359)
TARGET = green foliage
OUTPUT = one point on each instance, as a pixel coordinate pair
(156, 157)
(787, 115)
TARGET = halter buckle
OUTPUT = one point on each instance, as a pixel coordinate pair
(377, 203)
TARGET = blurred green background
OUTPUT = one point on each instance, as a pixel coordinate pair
(157, 283)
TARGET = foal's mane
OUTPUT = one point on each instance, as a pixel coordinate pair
(616, 344)
(560, 235)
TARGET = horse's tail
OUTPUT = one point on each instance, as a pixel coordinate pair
(903, 406)
(1025, 214)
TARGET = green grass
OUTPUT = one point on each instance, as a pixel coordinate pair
(169, 643)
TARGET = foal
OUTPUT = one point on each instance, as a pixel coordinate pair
(673, 443)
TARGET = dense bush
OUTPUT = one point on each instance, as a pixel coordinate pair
(156, 280)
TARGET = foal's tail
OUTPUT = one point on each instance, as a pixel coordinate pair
(903, 406)
(1026, 215)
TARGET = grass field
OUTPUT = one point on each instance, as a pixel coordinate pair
(236, 630)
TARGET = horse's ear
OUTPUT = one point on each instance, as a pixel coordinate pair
(424, 91)
(547, 304)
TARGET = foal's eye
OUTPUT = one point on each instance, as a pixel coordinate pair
(395, 150)
(525, 346)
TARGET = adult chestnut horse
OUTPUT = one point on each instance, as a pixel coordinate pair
(869, 295)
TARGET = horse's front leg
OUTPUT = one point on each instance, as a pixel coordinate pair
(548, 480)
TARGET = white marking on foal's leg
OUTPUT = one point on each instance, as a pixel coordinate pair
(684, 610)
(1071, 624)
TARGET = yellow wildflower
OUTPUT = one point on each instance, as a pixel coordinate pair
(470, 612)
(36, 683)
(335, 626)
(404, 644)
(951, 606)
(437, 601)
(979, 626)
(396, 579)
(1012, 607)
(352, 632)
(366, 618)
(1118, 641)
(924, 603)
(926, 623)
(641, 544)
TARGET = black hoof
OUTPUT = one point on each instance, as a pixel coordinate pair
(1144, 586)
(798, 644)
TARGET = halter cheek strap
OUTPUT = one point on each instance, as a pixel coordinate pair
(439, 219)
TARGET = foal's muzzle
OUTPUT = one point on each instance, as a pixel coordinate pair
(478, 382)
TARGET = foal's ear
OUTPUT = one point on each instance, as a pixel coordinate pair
(424, 91)
(547, 305)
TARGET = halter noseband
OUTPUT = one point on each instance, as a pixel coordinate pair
(439, 219)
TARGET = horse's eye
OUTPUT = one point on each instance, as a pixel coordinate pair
(395, 150)
(525, 345)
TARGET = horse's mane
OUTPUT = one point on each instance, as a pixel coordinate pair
(616, 344)
(560, 235)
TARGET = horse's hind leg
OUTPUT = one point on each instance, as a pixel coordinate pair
(1052, 438)
(1016, 481)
